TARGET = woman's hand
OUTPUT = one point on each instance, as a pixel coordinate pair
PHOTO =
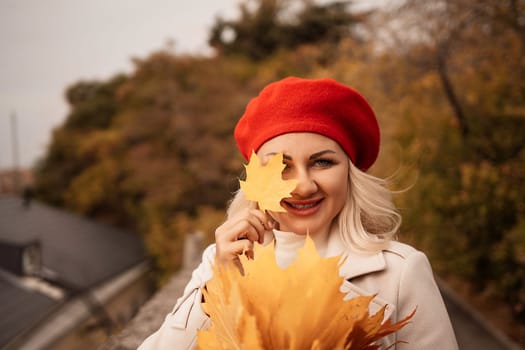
(237, 234)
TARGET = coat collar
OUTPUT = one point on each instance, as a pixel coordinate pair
(356, 264)
(353, 263)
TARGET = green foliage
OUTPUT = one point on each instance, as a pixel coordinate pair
(498, 139)
(93, 104)
(272, 26)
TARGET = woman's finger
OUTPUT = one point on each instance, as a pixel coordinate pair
(266, 220)
(234, 249)
(251, 224)
(237, 234)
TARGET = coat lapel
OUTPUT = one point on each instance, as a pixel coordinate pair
(355, 265)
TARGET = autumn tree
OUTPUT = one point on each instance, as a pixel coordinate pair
(151, 151)
(266, 26)
(93, 105)
(475, 50)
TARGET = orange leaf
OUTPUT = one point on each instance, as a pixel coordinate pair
(300, 307)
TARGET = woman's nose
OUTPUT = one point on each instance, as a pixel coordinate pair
(306, 185)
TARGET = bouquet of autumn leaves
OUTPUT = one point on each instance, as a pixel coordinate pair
(300, 307)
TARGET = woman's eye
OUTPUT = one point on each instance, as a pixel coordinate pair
(323, 163)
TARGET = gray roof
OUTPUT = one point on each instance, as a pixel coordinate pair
(81, 253)
(20, 308)
(77, 254)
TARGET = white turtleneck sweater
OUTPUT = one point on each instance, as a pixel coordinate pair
(287, 244)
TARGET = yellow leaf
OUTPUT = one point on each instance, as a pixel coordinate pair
(264, 183)
(297, 308)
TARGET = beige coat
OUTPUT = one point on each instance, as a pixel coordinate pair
(400, 276)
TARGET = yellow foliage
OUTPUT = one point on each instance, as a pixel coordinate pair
(92, 187)
(264, 183)
(300, 307)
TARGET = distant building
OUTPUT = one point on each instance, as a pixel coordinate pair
(13, 181)
(65, 282)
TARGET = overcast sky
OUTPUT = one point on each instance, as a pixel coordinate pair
(48, 45)
(51, 44)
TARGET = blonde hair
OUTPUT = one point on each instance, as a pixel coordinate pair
(367, 221)
(369, 218)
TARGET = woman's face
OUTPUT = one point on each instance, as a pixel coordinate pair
(321, 168)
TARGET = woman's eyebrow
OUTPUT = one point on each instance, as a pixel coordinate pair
(319, 154)
(285, 156)
(313, 156)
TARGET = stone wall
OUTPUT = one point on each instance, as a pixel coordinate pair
(151, 315)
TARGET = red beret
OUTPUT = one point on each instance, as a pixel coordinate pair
(321, 106)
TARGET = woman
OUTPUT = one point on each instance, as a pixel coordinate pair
(329, 136)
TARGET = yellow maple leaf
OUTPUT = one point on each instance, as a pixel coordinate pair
(297, 308)
(264, 183)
